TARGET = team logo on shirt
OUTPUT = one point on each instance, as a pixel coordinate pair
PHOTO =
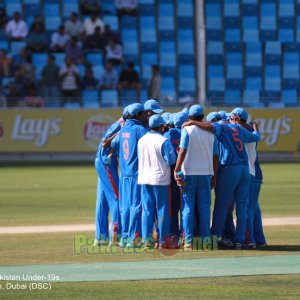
(94, 128)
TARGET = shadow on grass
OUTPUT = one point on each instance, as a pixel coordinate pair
(287, 248)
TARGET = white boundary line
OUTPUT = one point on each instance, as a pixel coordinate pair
(91, 227)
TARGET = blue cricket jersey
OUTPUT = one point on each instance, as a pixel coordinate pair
(232, 138)
(126, 142)
(174, 135)
(105, 153)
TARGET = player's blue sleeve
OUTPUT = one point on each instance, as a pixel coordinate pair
(115, 142)
(184, 140)
(168, 153)
(141, 132)
(167, 135)
(216, 146)
(115, 127)
(249, 137)
(218, 129)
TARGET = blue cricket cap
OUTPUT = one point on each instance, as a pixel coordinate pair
(156, 121)
(135, 108)
(166, 117)
(239, 111)
(125, 111)
(196, 110)
(171, 119)
(212, 115)
(153, 105)
(179, 118)
(223, 114)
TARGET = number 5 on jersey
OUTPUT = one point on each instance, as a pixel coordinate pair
(126, 149)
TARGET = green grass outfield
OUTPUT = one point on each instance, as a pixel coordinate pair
(46, 195)
(66, 195)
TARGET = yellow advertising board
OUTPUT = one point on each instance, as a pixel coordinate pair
(80, 130)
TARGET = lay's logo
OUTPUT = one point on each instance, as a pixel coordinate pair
(94, 128)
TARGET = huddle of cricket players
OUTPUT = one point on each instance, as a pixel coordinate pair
(156, 171)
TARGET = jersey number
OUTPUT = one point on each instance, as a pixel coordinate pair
(238, 143)
(126, 149)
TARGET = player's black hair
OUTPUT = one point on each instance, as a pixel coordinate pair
(197, 118)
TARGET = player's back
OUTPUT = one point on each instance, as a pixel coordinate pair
(129, 136)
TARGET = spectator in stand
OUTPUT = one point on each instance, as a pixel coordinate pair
(50, 80)
(38, 20)
(91, 23)
(16, 29)
(28, 70)
(5, 64)
(16, 90)
(37, 40)
(90, 6)
(114, 53)
(70, 82)
(95, 40)
(59, 40)
(109, 78)
(109, 35)
(32, 99)
(20, 58)
(3, 18)
(129, 79)
(74, 26)
(126, 7)
(74, 51)
(89, 82)
(154, 84)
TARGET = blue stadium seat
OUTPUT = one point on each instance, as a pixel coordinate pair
(267, 10)
(167, 59)
(286, 14)
(95, 58)
(215, 52)
(213, 10)
(146, 9)
(166, 9)
(231, 15)
(109, 98)
(112, 21)
(131, 48)
(250, 22)
(289, 97)
(7, 80)
(129, 22)
(273, 84)
(234, 77)
(273, 52)
(146, 71)
(149, 58)
(290, 77)
(108, 8)
(268, 29)
(234, 59)
(187, 71)
(59, 58)
(70, 105)
(129, 35)
(250, 35)
(251, 98)
(147, 22)
(253, 64)
(68, 8)
(167, 47)
(11, 8)
(232, 97)
(233, 35)
(185, 35)
(148, 35)
(272, 71)
(286, 35)
(185, 22)
(148, 47)
(253, 47)
(39, 59)
(215, 71)
(253, 83)
(128, 96)
(214, 97)
(16, 46)
(166, 23)
(217, 84)
(90, 97)
(32, 9)
(168, 83)
(249, 8)
(187, 85)
(51, 10)
(98, 70)
(166, 35)
(185, 9)
(52, 23)
(292, 47)
(4, 45)
(291, 58)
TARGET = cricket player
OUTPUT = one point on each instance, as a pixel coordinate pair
(106, 165)
(195, 160)
(130, 194)
(156, 155)
(233, 175)
(173, 135)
